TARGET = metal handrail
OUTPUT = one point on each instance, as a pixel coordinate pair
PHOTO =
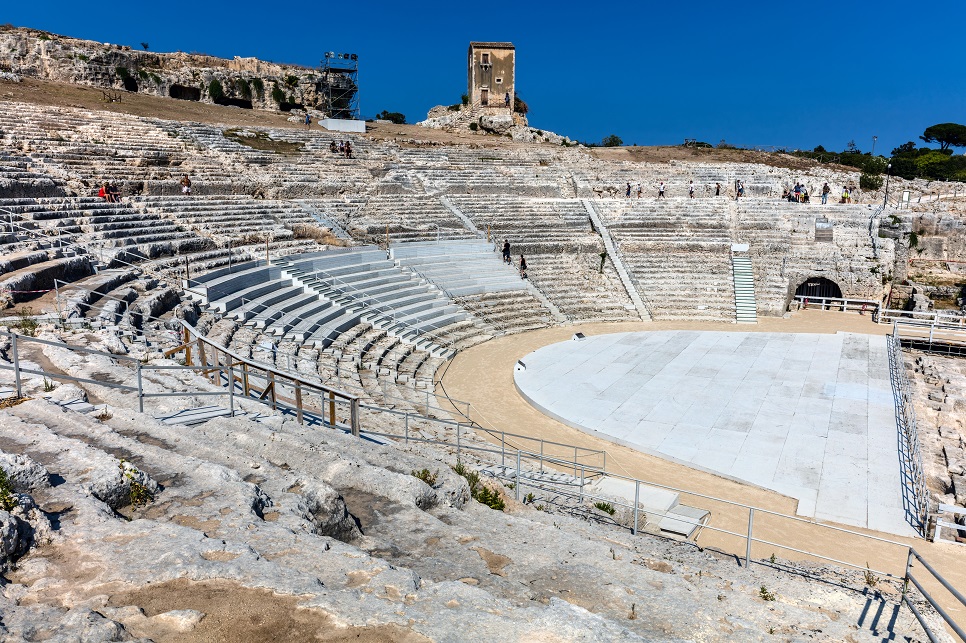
(911, 459)
(958, 629)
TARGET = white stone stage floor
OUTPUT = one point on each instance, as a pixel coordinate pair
(810, 416)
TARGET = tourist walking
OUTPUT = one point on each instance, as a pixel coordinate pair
(640, 190)
(739, 189)
(660, 190)
(185, 185)
(825, 192)
(308, 120)
(691, 189)
(506, 252)
(628, 195)
(506, 100)
(523, 267)
(717, 189)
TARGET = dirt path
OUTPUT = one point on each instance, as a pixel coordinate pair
(483, 376)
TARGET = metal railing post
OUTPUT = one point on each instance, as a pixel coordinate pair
(16, 364)
(541, 456)
(516, 487)
(581, 483)
(332, 408)
(637, 505)
(502, 448)
(354, 416)
(231, 387)
(407, 428)
(458, 445)
(751, 523)
(140, 390)
(298, 402)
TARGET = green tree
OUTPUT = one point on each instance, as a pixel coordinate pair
(612, 141)
(395, 117)
(906, 149)
(946, 134)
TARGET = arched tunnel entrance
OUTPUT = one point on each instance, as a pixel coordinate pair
(818, 287)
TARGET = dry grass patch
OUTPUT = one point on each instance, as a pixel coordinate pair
(319, 235)
(262, 142)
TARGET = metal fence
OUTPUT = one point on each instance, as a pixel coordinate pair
(915, 494)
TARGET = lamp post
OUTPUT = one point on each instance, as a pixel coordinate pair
(874, 139)
(885, 199)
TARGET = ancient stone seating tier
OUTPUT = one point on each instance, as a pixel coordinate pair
(314, 297)
(612, 181)
(459, 268)
(107, 229)
(18, 178)
(532, 225)
(407, 217)
(686, 284)
(231, 216)
(574, 283)
(88, 148)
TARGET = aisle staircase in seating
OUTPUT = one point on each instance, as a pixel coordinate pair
(744, 279)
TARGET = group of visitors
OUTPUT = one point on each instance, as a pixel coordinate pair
(109, 192)
(343, 148)
(662, 190)
(507, 259)
(799, 194)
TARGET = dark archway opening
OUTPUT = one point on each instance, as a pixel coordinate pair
(818, 287)
(182, 92)
(130, 84)
(234, 102)
(287, 107)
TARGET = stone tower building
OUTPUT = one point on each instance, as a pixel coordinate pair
(491, 73)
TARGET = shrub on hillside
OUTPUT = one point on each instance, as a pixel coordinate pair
(870, 181)
(243, 89)
(612, 141)
(278, 95)
(394, 117)
(258, 86)
(215, 90)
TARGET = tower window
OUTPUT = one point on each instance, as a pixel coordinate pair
(486, 59)
(499, 81)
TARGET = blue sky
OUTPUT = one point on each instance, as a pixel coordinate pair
(752, 73)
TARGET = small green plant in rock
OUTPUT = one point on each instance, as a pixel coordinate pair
(140, 495)
(478, 492)
(772, 559)
(7, 500)
(870, 579)
(122, 72)
(489, 498)
(48, 385)
(426, 476)
(474, 126)
(527, 499)
(765, 594)
(27, 325)
(606, 507)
